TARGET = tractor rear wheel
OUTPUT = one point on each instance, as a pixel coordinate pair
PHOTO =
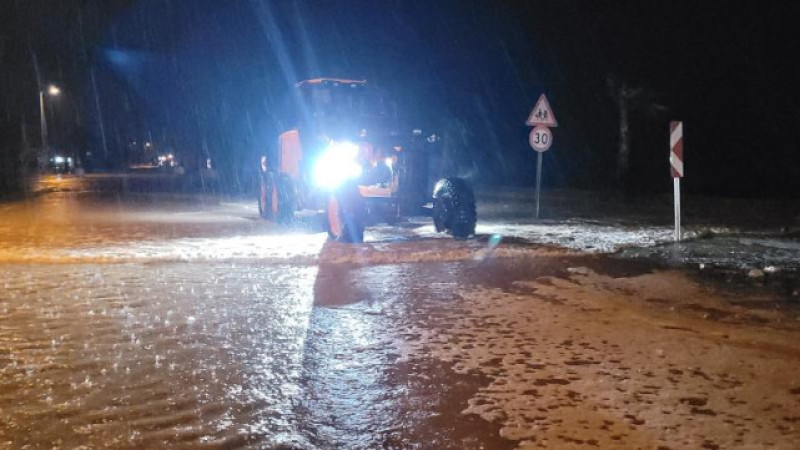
(268, 198)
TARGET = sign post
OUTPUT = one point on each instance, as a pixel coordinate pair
(538, 180)
(541, 138)
(676, 169)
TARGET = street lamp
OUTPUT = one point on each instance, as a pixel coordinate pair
(53, 91)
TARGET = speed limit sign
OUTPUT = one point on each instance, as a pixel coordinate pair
(541, 139)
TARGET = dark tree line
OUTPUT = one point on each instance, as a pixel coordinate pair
(206, 79)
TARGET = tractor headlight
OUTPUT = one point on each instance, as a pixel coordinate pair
(337, 164)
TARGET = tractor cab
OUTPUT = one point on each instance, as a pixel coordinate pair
(334, 110)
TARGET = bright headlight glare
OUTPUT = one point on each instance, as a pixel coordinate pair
(336, 165)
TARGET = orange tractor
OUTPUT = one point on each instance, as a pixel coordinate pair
(345, 157)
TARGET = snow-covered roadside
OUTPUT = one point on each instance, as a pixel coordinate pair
(723, 233)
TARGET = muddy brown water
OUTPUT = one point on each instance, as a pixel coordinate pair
(248, 355)
(226, 355)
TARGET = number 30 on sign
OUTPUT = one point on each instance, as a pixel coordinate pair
(541, 139)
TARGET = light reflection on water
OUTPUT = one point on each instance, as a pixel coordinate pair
(215, 354)
(128, 356)
(348, 402)
(131, 356)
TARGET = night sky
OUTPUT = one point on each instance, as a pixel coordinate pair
(207, 77)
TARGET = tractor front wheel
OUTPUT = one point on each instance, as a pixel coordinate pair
(286, 199)
(343, 220)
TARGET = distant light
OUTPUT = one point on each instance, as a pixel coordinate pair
(53, 90)
(69, 160)
(169, 156)
(389, 162)
(147, 144)
(58, 159)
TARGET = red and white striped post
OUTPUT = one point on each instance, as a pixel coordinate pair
(676, 169)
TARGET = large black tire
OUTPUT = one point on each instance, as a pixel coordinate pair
(287, 199)
(454, 207)
(344, 217)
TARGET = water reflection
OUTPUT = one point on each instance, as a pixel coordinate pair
(218, 355)
(130, 356)
(348, 401)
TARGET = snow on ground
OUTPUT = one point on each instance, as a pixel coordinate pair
(724, 233)
(590, 237)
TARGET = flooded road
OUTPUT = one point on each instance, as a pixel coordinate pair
(167, 324)
(223, 355)
(137, 356)
(537, 351)
(132, 356)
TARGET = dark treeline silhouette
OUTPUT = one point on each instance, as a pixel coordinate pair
(207, 79)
